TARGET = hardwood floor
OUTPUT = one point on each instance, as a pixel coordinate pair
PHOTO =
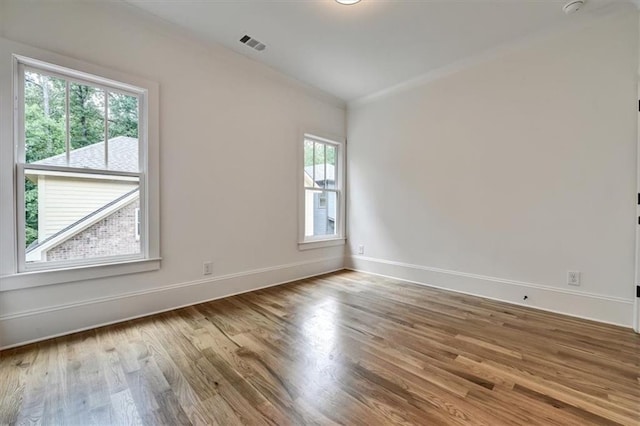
(345, 348)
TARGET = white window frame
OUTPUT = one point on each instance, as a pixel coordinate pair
(14, 272)
(138, 223)
(310, 242)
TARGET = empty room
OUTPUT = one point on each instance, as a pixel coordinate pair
(319, 212)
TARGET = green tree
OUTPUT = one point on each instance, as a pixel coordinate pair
(86, 115)
(123, 115)
(44, 117)
(319, 153)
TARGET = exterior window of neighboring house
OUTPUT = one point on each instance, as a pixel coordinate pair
(322, 208)
(322, 201)
(81, 169)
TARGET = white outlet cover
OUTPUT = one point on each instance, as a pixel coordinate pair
(573, 278)
(360, 249)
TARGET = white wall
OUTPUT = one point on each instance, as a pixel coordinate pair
(498, 179)
(229, 133)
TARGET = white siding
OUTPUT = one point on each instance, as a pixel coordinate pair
(63, 200)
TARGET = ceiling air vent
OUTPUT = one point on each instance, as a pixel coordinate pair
(252, 43)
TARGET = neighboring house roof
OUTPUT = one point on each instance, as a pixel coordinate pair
(35, 249)
(123, 156)
(319, 172)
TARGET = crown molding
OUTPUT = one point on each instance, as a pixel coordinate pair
(583, 21)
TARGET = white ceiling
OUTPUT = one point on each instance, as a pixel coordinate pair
(354, 51)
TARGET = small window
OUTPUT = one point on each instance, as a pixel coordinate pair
(81, 169)
(322, 214)
(322, 200)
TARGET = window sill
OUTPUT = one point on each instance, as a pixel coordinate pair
(310, 245)
(24, 280)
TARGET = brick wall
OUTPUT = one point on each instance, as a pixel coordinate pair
(113, 235)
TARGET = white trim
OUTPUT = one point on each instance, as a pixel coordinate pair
(321, 139)
(595, 307)
(79, 77)
(32, 171)
(489, 278)
(636, 304)
(582, 20)
(330, 242)
(79, 173)
(305, 242)
(30, 326)
(25, 64)
(18, 135)
(123, 266)
(137, 226)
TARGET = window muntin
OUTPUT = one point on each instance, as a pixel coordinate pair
(322, 190)
(81, 170)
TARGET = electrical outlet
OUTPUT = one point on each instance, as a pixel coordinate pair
(573, 278)
(207, 268)
(360, 249)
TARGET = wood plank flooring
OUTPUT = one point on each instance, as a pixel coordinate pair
(345, 348)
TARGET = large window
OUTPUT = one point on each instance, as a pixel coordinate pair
(322, 183)
(81, 169)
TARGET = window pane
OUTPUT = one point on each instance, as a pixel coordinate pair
(123, 133)
(123, 115)
(31, 210)
(308, 163)
(44, 119)
(75, 216)
(320, 213)
(331, 167)
(319, 166)
(86, 127)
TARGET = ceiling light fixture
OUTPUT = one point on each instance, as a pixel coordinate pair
(348, 2)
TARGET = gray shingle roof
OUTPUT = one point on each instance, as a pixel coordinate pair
(123, 156)
(319, 177)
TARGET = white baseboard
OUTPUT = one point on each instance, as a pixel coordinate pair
(611, 310)
(35, 325)
(40, 324)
